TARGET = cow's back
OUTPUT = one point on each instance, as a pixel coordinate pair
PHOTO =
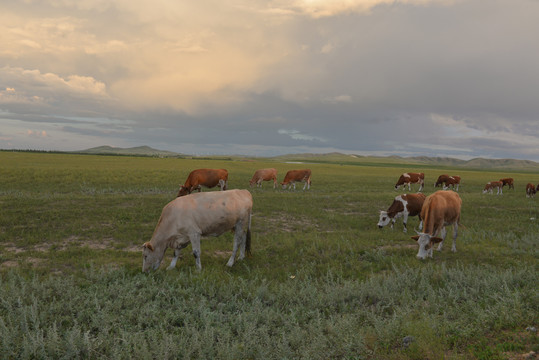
(210, 213)
(440, 208)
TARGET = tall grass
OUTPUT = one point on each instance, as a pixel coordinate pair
(122, 314)
(323, 282)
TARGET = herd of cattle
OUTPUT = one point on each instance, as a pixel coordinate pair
(186, 219)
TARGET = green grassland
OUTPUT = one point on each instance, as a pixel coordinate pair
(323, 282)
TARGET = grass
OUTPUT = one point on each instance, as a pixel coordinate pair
(323, 282)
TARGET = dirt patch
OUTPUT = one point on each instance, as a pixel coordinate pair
(221, 253)
(10, 264)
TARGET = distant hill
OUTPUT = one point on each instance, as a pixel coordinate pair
(477, 163)
(336, 157)
(134, 151)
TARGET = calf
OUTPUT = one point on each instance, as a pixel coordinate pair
(264, 175)
(446, 181)
(531, 190)
(186, 219)
(439, 210)
(403, 205)
(509, 182)
(411, 178)
(204, 177)
(297, 175)
(491, 185)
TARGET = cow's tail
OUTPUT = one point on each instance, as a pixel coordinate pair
(248, 237)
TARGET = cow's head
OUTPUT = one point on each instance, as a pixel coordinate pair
(151, 259)
(384, 219)
(184, 190)
(426, 243)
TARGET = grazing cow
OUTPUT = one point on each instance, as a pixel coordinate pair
(411, 178)
(204, 177)
(446, 181)
(531, 190)
(404, 205)
(186, 219)
(439, 210)
(491, 185)
(264, 175)
(297, 175)
(509, 182)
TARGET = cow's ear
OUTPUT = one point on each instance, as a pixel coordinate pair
(415, 237)
(148, 246)
(436, 239)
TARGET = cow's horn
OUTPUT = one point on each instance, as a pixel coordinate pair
(417, 232)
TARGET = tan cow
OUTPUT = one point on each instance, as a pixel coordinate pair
(410, 178)
(204, 177)
(531, 190)
(264, 175)
(297, 175)
(439, 210)
(186, 219)
(446, 181)
(403, 205)
(509, 182)
(491, 185)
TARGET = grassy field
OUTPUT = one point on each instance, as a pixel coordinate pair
(323, 282)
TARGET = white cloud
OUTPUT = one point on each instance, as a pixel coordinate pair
(296, 135)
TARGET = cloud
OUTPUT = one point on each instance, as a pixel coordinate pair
(296, 135)
(323, 8)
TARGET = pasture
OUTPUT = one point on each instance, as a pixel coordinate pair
(323, 282)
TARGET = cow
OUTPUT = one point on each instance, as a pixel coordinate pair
(531, 190)
(204, 177)
(491, 185)
(264, 175)
(403, 205)
(446, 181)
(509, 182)
(297, 175)
(410, 178)
(186, 219)
(439, 210)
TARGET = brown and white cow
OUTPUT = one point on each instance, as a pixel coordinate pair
(204, 177)
(403, 205)
(439, 210)
(446, 181)
(491, 185)
(292, 176)
(531, 190)
(264, 175)
(186, 219)
(509, 182)
(411, 178)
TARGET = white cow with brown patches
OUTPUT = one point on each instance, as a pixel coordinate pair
(186, 219)
(439, 210)
(403, 205)
(410, 178)
(491, 185)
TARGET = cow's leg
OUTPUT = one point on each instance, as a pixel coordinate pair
(304, 186)
(195, 244)
(177, 254)
(420, 224)
(393, 221)
(455, 233)
(238, 242)
(444, 233)
(420, 186)
(405, 221)
(409, 186)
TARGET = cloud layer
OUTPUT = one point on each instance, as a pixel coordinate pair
(407, 77)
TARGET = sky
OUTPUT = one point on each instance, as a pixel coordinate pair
(455, 78)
